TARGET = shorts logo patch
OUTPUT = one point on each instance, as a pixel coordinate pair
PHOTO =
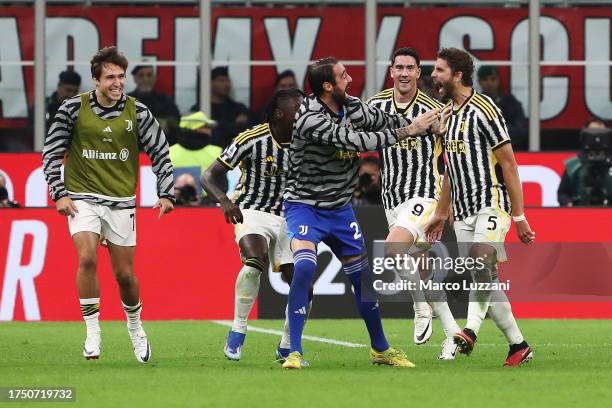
(303, 229)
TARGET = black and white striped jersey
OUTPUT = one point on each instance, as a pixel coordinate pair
(411, 167)
(475, 130)
(324, 151)
(151, 138)
(264, 164)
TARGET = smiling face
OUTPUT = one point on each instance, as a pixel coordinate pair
(405, 73)
(109, 88)
(444, 80)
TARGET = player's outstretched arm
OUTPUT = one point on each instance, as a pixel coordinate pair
(371, 118)
(211, 182)
(435, 226)
(320, 128)
(505, 158)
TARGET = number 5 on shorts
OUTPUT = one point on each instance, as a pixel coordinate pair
(492, 220)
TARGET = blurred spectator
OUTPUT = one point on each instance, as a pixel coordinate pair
(488, 79)
(4, 198)
(587, 180)
(369, 188)
(161, 105)
(284, 80)
(194, 147)
(186, 191)
(232, 117)
(425, 83)
(595, 123)
(67, 87)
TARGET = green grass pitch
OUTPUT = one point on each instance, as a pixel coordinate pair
(572, 367)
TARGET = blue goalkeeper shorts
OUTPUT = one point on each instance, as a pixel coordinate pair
(338, 228)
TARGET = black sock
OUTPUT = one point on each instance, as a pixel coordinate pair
(516, 347)
(470, 333)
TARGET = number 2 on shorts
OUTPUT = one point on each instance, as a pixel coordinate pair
(355, 226)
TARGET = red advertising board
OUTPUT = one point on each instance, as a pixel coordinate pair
(282, 38)
(186, 264)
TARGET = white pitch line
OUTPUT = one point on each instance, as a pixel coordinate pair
(228, 323)
(304, 337)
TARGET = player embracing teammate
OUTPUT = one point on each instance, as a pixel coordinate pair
(330, 130)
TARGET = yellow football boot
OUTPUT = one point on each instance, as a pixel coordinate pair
(390, 357)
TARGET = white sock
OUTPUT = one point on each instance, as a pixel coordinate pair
(132, 313)
(247, 287)
(479, 299)
(286, 337)
(501, 313)
(443, 312)
(421, 308)
(90, 309)
(477, 310)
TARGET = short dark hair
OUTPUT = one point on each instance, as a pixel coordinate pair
(139, 67)
(459, 61)
(286, 73)
(70, 78)
(219, 71)
(107, 55)
(406, 51)
(277, 99)
(321, 71)
(487, 71)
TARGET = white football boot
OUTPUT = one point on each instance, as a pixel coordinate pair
(142, 348)
(448, 350)
(92, 347)
(423, 326)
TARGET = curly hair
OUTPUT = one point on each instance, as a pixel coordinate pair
(459, 61)
(107, 55)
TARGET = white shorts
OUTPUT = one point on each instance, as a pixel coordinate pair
(115, 225)
(413, 215)
(489, 226)
(273, 228)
